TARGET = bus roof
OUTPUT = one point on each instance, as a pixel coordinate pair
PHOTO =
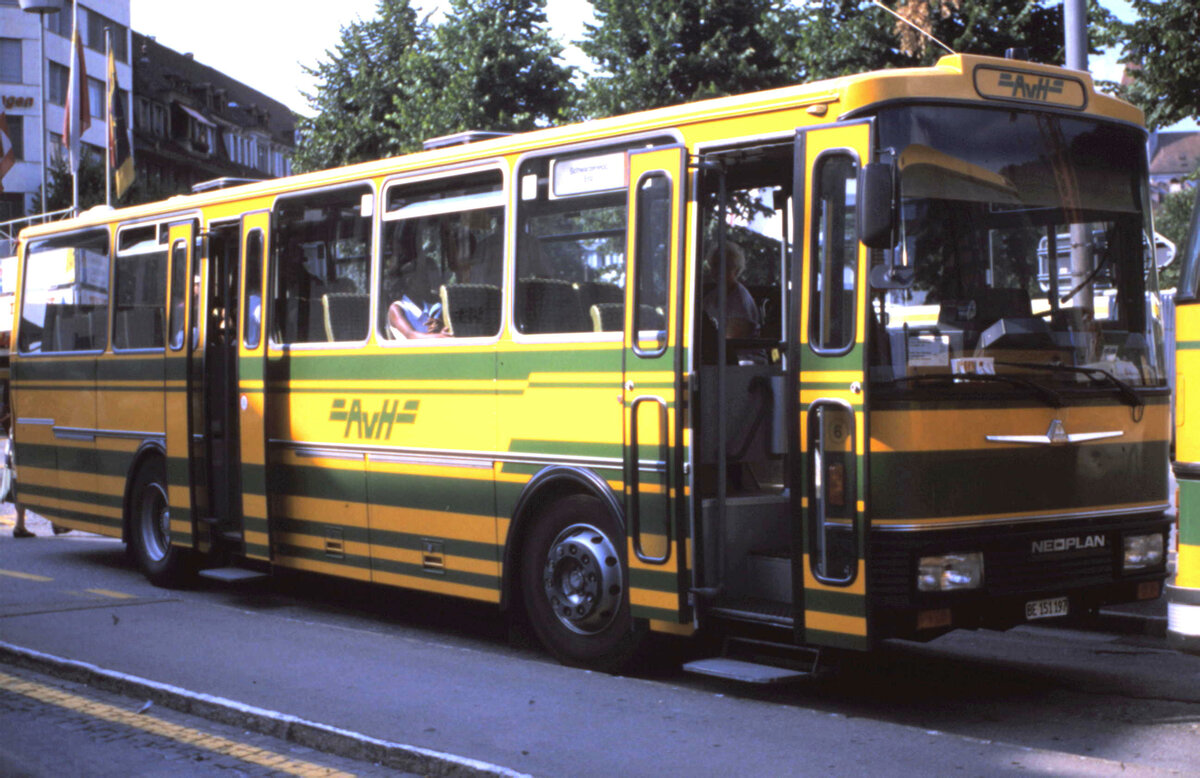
(958, 77)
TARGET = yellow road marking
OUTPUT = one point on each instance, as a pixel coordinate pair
(155, 726)
(111, 593)
(26, 576)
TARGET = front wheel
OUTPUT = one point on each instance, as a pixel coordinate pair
(575, 586)
(150, 529)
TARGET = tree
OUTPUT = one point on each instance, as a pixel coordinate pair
(60, 189)
(395, 80)
(652, 53)
(378, 64)
(500, 66)
(839, 37)
(1162, 46)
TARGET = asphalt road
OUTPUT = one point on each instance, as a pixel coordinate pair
(449, 676)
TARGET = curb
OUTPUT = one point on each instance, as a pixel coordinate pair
(1128, 623)
(309, 734)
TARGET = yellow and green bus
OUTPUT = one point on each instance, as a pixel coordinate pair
(796, 368)
(1183, 596)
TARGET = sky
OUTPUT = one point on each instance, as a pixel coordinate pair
(266, 43)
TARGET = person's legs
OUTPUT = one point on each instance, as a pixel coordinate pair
(19, 530)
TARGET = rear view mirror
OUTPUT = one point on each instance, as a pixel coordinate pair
(876, 213)
(1164, 251)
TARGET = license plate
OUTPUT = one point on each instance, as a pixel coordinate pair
(1047, 609)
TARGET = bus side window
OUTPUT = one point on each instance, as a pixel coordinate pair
(442, 258)
(322, 245)
(139, 289)
(571, 245)
(65, 305)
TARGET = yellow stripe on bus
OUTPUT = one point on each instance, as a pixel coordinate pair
(1187, 565)
(835, 622)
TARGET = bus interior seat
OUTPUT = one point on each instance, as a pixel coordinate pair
(599, 293)
(547, 305)
(471, 310)
(607, 317)
(347, 316)
(140, 326)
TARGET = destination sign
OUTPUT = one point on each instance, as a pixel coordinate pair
(1030, 87)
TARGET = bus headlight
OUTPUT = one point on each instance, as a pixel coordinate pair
(1143, 551)
(949, 572)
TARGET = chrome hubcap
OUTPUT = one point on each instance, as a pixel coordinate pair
(582, 579)
(156, 522)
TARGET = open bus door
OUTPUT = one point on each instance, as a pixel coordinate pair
(831, 585)
(652, 358)
(183, 341)
(251, 387)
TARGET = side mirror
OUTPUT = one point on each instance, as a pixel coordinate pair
(1164, 251)
(876, 212)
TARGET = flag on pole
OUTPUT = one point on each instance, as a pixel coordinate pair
(77, 118)
(8, 155)
(120, 139)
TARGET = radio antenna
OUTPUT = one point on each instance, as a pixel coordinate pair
(915, 27)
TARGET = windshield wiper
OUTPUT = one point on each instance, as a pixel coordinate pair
(1127, 393)
(1047, 395)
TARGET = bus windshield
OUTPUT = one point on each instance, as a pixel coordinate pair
(1022, 254)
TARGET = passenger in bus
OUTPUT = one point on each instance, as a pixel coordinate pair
(411, 282)
(742, 317)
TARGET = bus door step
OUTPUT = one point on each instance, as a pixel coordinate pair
(232, 574)
(759, 662)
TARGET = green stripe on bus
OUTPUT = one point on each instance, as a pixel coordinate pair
(49, 512)
(1189, 512)
(836, 640)
(843, 603)
(74, 495)
(912, 485)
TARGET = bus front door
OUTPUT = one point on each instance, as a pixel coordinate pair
(832, 586)
(652, 355)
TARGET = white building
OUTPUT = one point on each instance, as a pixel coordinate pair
(23, 68)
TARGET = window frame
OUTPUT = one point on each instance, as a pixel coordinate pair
(501, 198)
(819, 301)
(273, 266)
(103, 331)
(160, 231)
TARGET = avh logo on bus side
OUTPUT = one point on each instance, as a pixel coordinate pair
(368, 425)
(1032, 89)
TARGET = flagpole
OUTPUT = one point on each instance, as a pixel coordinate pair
(73, 96)
(108, 88)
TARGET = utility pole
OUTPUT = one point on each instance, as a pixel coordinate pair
(1075, 32)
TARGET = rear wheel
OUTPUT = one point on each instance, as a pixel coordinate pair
(150, 529)
(575, 586)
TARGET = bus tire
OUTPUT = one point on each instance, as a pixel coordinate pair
(150, 528)
(575, 586)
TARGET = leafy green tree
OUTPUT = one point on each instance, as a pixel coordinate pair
(379, 64)
(838, 37)
(501, 67)
(60, 190)
(1163, 47)
(652, 53)
(397, 79)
